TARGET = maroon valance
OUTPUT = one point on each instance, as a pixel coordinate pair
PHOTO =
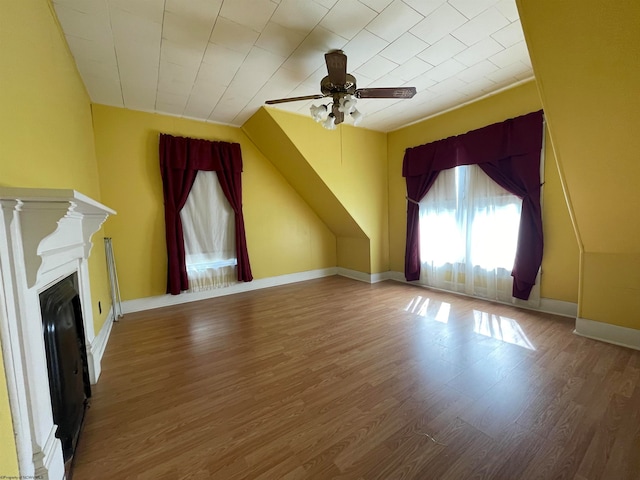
(180, 160)
(195, 154)
(509, 152)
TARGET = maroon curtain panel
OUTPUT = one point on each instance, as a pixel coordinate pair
(180, 160)
(509, 152)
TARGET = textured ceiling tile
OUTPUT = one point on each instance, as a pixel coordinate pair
(151, 10)
(448, 85)
(215, 56)
(509, 9)
(129, 31)
(233, 35)
(347, 18)
(253, 14)
(445, 70)
(279, 40)
(85, 50)
(228, 107)
(403, 48)
(139, 97)
(394, 20)
(183, 57)
(106, 91)
(181, 54)
(442, 50)
(278, 86)
(93, 7)
(208, 92)
(376, 67)
(411, 69)
(258, 67)
(377, 5)
(511, 71)
(509, 35)
(481, 27)
(84, 25)
(471, 8)
(300, 15)
(310, 53)
(510, 55)
(204, 11)
(438, 24)
(479, 52)
(326, 3)
(183, 30)
(362, 47)
(388, 80)
(425, 7)
(478, 70)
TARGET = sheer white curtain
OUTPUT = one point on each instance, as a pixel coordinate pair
(209, 235)
(468, 235)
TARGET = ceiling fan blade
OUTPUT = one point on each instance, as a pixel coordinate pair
(336, 67)
(399, 92)
(294, 99)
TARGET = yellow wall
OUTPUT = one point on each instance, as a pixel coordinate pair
(353, 245)
(46, 137)
(283, 234)
(352, 162)
(585, 57)
(561, 255)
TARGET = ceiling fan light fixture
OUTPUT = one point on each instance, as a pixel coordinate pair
(347, 104)
(357, 116)
(330, 122)
(318, 112)
(340, 87)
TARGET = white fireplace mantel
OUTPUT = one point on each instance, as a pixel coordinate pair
(45, 236)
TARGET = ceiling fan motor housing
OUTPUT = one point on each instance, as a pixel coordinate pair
(331, 90)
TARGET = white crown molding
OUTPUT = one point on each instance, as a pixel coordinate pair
(606, 332)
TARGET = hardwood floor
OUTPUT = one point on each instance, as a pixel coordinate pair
(334, 378)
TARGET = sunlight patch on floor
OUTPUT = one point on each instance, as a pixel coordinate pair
(501, 328)
(424, 307)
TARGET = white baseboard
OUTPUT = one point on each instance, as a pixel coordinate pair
(558, 307)
(606, 332)
(547, 305)
(148, 303)
(98, 346)
(361, 276)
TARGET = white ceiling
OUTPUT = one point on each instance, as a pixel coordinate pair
(219, 60)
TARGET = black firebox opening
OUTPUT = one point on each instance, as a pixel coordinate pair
(66, 360)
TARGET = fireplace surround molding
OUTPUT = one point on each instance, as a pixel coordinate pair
(45, 236)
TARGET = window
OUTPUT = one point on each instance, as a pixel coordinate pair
(209, 235)
(468, 234)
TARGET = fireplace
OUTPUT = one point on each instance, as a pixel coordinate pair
(45, 242)
(67, 365)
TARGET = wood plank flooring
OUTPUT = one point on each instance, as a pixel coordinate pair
(334, 378)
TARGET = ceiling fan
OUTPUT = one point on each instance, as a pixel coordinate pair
(341, 87)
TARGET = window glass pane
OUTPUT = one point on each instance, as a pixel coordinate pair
(469, 233)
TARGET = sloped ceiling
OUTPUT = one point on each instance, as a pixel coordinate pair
(219, 60)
